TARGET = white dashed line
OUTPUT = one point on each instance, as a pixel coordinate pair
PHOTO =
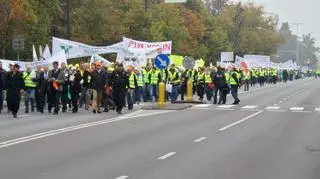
(238, 122)
(202, 105)
(275, 104)
(280, 101)
(122, 177)
(284, 99)
(272, 108)
(249, 107)
(317, 109)
(166, 155)
(302, 111)
(226, 106)
(297, 108)
(200, 139)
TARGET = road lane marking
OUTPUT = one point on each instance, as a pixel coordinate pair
(238, 122)
(272, 108)
(200, 139)
(317, 109)
(202, 105)
(276, 110)
(276, 104)
(297, 108)
(302, 111)
(284, 99)
(64, 130)
(249, 107)
(225, 109)
(226, 106)
(280, 101)
(166, 155)
(122, 177)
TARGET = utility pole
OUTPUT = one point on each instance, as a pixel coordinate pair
(298, 44)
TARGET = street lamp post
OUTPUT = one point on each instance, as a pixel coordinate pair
(298, 45)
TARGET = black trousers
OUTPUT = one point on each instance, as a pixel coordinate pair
(40, 99)
(223, 96)
(119, 98)
(13, 100)
(74, 100)
(200, 90)
(64, 100)
(54, 101)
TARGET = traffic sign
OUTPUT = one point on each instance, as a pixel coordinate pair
(162, 61)
(189, 63)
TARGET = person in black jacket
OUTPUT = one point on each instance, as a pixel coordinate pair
(75, 88)
(42, 85)
(99, 81)
(15, 88)
(86, 86)
(219, 80)
(2, 75)
(119, 82)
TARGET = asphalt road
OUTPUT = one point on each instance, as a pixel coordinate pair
(273, 134)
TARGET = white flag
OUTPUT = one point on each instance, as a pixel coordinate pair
(34, 54)
(46, 53)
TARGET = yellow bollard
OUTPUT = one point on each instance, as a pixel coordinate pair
(162, 95)
(189, 91)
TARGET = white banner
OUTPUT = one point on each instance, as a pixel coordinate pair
(95, 58)
(227, 57)
(175, 1)
(78, 50)
(162, 47)
(258, 61)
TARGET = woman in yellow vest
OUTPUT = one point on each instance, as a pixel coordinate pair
(201, 83)
(209, 87)
(139, 87)
(155, 80)
(234, 82)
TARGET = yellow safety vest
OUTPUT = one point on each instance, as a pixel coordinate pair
(232, 81)
(139, 81)
(201, 78)
(172, 76)
(154, 77)
(131, 81)
(28, 81)
(145, 75)
(208, 78)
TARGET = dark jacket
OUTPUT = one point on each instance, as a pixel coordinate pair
(75, 86)
(99, 80)
(219, 79)
(2, 76)
(59, 77)
(119, 80)
(14, 82)
(85, 77)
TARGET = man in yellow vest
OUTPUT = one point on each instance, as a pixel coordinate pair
(201, 83)
(155, 80)
(139, 87)
(209, 87)
(132, 85)
(174, 80)
(234, 82)
(247, 78)
(29, 78)
(146, 75)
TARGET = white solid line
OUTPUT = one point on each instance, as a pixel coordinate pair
(238, 122)
(122, 177)
(200, 139)
(297, 108)
(166, 155)
(62, 130)
(249, 107)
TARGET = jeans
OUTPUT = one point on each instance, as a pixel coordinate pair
(130, 98)
(138, 94)
(234, 92)
(209, 92)
(146, 93)
(83, 97)
(1, 100)
(29, 97)
(174, 93)
(154, 92)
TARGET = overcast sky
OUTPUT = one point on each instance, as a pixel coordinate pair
(292, 11)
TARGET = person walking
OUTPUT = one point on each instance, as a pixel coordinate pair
(56, 79)
(75, 88)
(99, 81)
(41, 88)
(220, 81)
(132, 86)
(14, 84)
(29, 78)
(234, 82)
(119, 82)
(2, 76)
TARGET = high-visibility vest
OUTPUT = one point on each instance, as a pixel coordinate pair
(227, 76)
(172, 76)
(139, 80)
(145, 75)
(28, 81)
(192, 75)
(154, 77)
(131, 81)
(232, 81)
(163, 74)
(201, 78)
(247, 76)
(208, 78)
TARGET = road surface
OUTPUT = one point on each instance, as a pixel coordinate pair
(273, 134)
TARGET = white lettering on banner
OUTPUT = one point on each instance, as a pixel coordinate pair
(258, 61)
(164, 47)
(78, 50)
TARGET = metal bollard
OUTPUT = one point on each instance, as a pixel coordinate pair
(189, 91)
(162, 92)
